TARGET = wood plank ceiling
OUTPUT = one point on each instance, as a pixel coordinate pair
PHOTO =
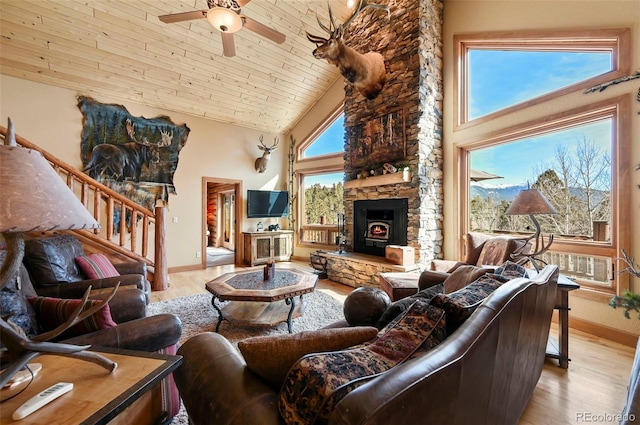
(120, 49)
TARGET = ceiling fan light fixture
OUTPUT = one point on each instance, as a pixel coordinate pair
(224, 20)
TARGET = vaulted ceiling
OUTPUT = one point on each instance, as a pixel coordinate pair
(120, 49)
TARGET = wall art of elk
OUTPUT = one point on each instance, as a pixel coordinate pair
(365, 71)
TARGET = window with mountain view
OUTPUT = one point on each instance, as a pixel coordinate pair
(575, 158)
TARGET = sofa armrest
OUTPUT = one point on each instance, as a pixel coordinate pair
(127, 304)
(429, 278)
(77, 289)
(445, 265)
(216, 386)
(146, 334)
(133, 267)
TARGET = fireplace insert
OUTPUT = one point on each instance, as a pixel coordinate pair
(378, 223)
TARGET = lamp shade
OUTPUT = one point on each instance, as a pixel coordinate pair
(224, 20)
(530, 201)
(33, 197)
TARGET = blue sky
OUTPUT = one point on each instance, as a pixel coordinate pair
(530, 156)
(502, 78)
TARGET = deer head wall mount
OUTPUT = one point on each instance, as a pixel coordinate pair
(365, 71)
(261, 163)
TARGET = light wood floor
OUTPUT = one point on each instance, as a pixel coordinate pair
(593, 390)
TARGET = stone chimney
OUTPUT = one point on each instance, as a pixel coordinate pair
(410, 39)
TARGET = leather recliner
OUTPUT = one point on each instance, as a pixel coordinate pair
(480, 250)
(51, 264)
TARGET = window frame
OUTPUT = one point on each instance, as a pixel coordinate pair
(617, 41)
(330, 230)
(315, 133)
(619, 109)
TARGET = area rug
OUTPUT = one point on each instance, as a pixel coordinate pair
(198, 316)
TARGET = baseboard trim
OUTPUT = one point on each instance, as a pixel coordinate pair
(605, 332)
(189, 268)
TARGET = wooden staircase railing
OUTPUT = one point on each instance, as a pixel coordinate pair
(126, 227)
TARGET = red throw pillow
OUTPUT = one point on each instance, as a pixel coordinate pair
(96, 266)
(52, 312)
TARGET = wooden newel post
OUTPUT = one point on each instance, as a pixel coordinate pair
(161, 274)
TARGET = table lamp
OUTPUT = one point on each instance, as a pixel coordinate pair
(531, 202)
(34, 198)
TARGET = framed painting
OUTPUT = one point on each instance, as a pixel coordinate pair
(377, 141)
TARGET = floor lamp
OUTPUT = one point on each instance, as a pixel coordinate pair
(531, 202)
(34, 198)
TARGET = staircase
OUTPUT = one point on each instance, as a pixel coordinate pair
(127, 229)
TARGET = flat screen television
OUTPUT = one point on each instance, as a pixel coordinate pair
(267, 203)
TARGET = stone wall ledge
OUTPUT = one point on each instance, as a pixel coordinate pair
(392, 178)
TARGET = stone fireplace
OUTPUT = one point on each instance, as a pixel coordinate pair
(409, 109)
(410, 39)
(378, 223)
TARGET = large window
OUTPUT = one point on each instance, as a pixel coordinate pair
(321, 187)
(578, 159)
(504, 72)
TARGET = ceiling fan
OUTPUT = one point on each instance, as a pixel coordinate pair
(225, 16)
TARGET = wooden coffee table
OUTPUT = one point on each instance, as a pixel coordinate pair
(272, 301)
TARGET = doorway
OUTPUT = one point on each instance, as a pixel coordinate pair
(221, 221)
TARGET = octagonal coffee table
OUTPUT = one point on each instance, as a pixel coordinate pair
(258, 301)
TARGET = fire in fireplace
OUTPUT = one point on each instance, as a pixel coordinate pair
(378, 223)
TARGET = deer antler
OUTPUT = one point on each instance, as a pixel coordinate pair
(166, 138)
(362, 6)
(77, 316)
(20, 350)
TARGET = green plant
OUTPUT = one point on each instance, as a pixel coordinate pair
(629, 301)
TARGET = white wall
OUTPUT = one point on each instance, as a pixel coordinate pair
(48, 116)
(464, 17)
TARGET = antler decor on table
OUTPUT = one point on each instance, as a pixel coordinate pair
(34, 198)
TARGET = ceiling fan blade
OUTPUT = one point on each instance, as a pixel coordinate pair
(264, 30)
(228, 45)
(184, 16)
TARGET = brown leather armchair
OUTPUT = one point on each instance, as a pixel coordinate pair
(51, 264)
(480, 250)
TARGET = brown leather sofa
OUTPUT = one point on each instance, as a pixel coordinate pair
(134, 330)
(50, 261)
(483, 373)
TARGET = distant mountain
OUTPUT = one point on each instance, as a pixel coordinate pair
(509, 193)
(500, 193)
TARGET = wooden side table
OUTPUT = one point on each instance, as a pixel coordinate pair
(128, 395)
(560, 349)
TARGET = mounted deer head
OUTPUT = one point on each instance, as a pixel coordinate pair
(261, 163)
(365, 71)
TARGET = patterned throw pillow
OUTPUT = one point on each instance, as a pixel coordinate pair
(271, 356)
(96, 266)
(317, 382)
(511, 270)
(52, 312)
(461, 304)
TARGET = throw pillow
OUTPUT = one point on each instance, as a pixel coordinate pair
(398, 307)
(14, 307)
(461, 304)
(52, 312)
(271, 357)
(461, 277)
(317, 382)
(511, 270)
(96, 266)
